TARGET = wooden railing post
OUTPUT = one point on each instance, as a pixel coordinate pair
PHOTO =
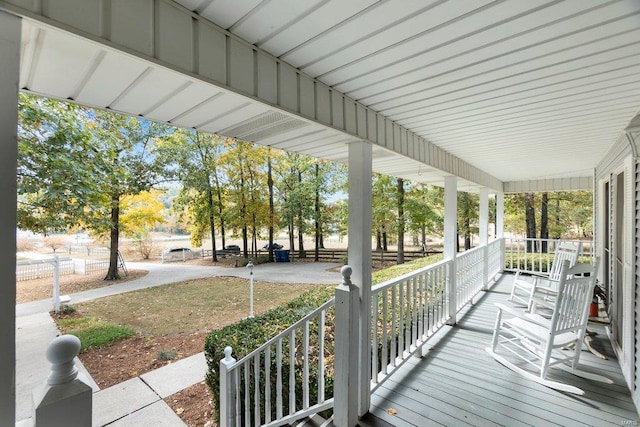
(64, 400)
(345, 412)
(227, 390)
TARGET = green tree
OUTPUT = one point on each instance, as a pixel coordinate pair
(468, 206)
(55, 186)
(128, 166)
(195, 159)
(424, 206)
(383, 209)
(76, 164)
(296, 191)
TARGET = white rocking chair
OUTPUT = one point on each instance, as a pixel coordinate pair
(533, 341)
(524, 287)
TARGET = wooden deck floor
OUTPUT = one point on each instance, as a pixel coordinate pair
(459, 383)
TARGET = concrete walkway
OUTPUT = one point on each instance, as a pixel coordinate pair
(138, 401)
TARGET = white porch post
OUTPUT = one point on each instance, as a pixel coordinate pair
(359, 257)
(500, 226)
(484, 234)
(10, 28)
(451, 239)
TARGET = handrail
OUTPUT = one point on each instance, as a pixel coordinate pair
(406, 312)
(534, 255)
(410, 309)
(271, 385)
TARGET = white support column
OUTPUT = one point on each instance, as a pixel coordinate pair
(10, 29)
(359, 256)
(451, 239)
(500, 226)
(484, 234)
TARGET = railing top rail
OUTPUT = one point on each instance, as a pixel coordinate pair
(284, 333)
(41, 261)
(470, 251)
(409, 275)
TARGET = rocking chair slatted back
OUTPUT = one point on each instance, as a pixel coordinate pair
(572, 307)
(566, 251)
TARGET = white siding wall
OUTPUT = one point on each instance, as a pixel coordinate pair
(620, 159)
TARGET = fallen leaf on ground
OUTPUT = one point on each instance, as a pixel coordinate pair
(179, 411)
(391, 411)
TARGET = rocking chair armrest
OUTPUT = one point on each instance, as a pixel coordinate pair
(533, 318)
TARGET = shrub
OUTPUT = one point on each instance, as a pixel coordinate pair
(167, 354)
(250, 333)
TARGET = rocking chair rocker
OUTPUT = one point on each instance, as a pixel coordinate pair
(530, 339)
(525, 287)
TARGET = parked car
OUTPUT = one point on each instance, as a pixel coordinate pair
(276, 246)
(232, 248)
(177, 254)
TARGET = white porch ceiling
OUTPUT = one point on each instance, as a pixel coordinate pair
(521, 89)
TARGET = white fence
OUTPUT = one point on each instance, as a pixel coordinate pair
(536, 255)
(38, 269)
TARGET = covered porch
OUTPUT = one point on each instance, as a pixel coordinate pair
(492, 97)
(459, 383)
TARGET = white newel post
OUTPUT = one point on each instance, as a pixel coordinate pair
(227, 390)
(484, 235)
(56, 283)
(451, 240)
(65, 399)
(345, 411)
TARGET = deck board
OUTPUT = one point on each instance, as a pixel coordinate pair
(458, 383)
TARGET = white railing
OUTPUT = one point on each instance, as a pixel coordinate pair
(271, 385)
(40, 268)
(469, 275)
(406, 311)
(495, 257)
(535, 255)
(91, 266)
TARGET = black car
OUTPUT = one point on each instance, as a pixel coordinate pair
(276, 246)
(232, 248)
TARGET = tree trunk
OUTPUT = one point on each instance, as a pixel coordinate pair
(385, 246)
(316, 256)
(220, 215)
(291, 236)
(378, 240)
(245, 241)
(423, 234)
(530, 219)
(112, 273)
(212, 226)
(301, 252)
(467, 232)
(544, 222)
(401, 219)
(271, 209)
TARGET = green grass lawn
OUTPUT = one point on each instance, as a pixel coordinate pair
(190, 306)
